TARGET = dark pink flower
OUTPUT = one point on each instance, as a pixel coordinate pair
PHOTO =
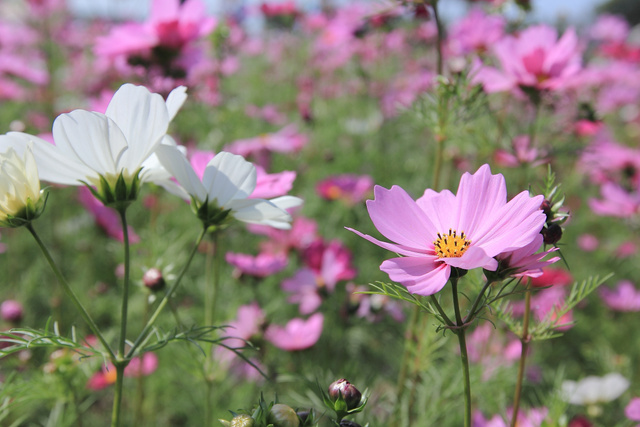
(262, 265)
(298, 334)
(349, 188)
(552, 277)
(441, 231)
(625, 297)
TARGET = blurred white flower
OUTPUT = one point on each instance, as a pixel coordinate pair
(108, 150)
(593, 390)
(19, 186)
(226, 185)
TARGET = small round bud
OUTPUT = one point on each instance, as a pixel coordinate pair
(283, 416)
(153, 279)
(242, 421)
(552, 234)
(11, 311)
(349, 393)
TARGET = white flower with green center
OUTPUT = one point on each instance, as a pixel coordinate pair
(225, 190)
(112, 152)
(20, 194)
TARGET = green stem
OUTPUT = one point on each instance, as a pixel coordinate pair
(446, 319)
(165, 299)
(464, 358)
(211, 292)
(117, 397)
(436, 18)
(125, 290)
(474, 307)
(67, 288)
(524, 339)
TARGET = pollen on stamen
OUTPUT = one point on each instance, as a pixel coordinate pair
(451, 245)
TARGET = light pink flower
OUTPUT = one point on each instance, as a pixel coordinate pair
(625, 297)
(303, 232)
(11, 310)
(610, 28)
(262, 265)
(616, 202)
(475, 33)
(490, 347)
(536, 59)
(588, 242)
(441, 231)
(298, 334)
(522, 153)
(286, 140)
(349, 188)
(632, 411)
(530, 418)
(527, 261)
(373, 307)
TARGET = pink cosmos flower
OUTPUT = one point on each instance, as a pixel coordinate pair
(632, 411)
(107, 218)
(144, 365)
(349, 188)
(545, 305)
(530, 418)
(441, 231)
(527, 261)
(609, 28)
(616, 202)
(298, 334)
(536, 59)
(588, 242)
(171, 25)
(262, 265)
(303, 232)
(286, 140)
(476, 32)
(522, 153)
(625, 297)
(488, 346)
(626, 249)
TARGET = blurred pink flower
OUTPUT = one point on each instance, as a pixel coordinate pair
(534, 59)
(609, 28)
(632, 410)
(144, 365)
(530, 418)
(475, 33)
(588, 242)
(286, 140)
(171, 24)
(545, 305)
(269, 113)
(625, 297)
(11, 311)
(441, 231)
(491, 348)
(404, 90)
(298, 334)
(107, 218)
(552, 277)
(522, 153)
(616, 202)
(303, 232)
(349, 188)
(262, 265)
(373, 307)
(626, 249)
(608, 161)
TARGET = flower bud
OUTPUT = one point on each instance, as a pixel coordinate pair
(153, 279)
(11, 311)
(347, 423)
(551, 234)
(349, 393)
(239, 421)
(283, 416)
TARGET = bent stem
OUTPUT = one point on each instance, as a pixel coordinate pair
(464, 358)
(67, 288)
(524, 339)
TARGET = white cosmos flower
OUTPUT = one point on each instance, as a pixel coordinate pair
(226, 185)
(593, 390)
(91, 147)
(20, 200)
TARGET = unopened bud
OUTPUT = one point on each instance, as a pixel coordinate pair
(551, 234)
(283, 416)
(349, 393)
(347, 423)
(153, 279)
(239, 421)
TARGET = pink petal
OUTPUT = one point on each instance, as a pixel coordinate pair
(421, 276)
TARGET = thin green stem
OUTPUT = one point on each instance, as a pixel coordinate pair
(117, 397)
(446, 319)
(436, 18)
(67, 288)
(474, 307)
(524, 339)
(464, 358)
(165, 299)
(210, 308)
(125, 289)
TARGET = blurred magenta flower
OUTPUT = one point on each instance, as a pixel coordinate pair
(303, 232)
(11, 311)
(248, 324)
(534, 59)
(286, 140)
(529, 418)
(521, 153)
(262, 265)
(349, 188)
(552, 277)
(625, 297)
(609, 28)
(616, 201)
(172, 24)
(545, 305)
(491, 348)
(298, 334)
(475, 33)
(632, 410)
(139, 366)
(441, 231)
(107, 218)
(588, 242)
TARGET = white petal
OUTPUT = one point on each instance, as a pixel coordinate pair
(229, 177)
(286, 202)
(178, 166)
(143, 118)
(175, 100)
(53, 164)
(259, 211)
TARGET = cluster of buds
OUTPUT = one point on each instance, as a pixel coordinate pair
(272, 415)
(552, 208)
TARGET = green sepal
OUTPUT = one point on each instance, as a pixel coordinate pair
(213, 217)
(119, 194)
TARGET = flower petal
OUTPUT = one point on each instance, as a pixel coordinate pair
(260, 211)
(422, 276)
(177, 164)
(229, 177)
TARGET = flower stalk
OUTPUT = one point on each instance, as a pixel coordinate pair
(524, 339)
(464, 358)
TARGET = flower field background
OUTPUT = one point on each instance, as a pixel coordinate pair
(328, 105)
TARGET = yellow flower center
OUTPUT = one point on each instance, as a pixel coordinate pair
(451, 245)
